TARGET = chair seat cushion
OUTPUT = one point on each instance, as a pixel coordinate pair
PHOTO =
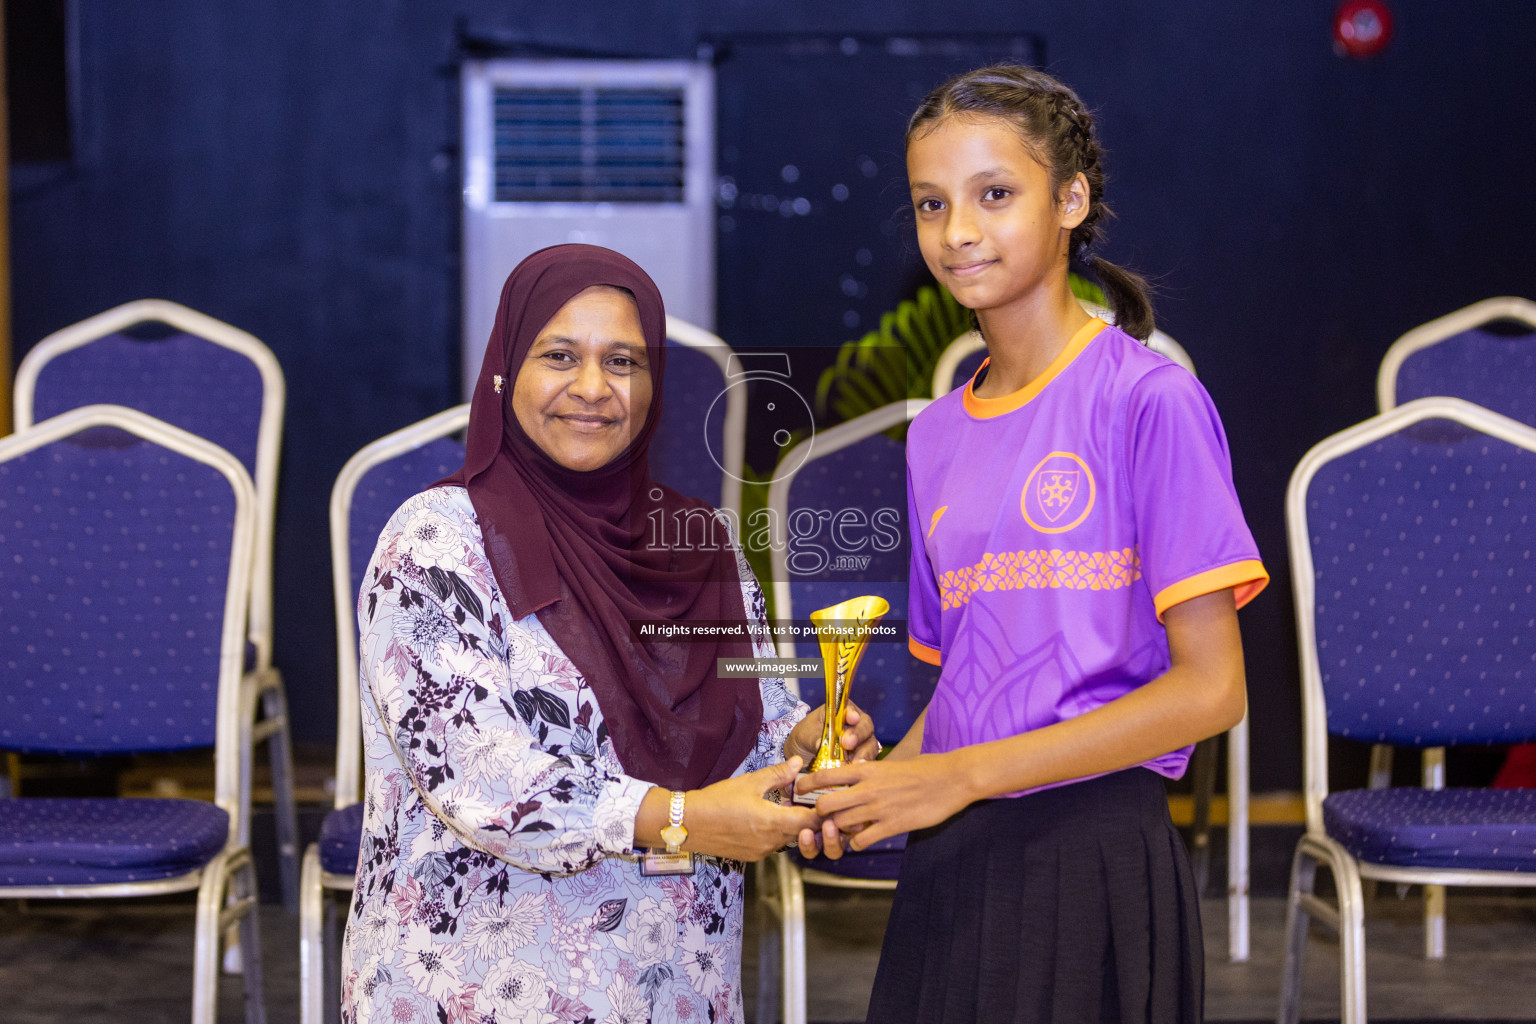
(1470, 829)
(341, 835)
(880, 862)
(102, 840)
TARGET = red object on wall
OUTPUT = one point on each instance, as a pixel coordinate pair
(1519, 771)
(1361, 28)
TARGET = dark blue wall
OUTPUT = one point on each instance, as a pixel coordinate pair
(290, 167)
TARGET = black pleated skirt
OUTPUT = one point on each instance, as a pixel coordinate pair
(1073, 905)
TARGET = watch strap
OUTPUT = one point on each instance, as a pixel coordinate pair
(675, 834)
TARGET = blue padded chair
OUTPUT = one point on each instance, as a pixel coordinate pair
(699, 443)
(1410, 537)
(1459, 356)
(854, 466)
(222, 384)
(370, 487)
(125, 557)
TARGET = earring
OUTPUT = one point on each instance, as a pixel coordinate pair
(496, 382)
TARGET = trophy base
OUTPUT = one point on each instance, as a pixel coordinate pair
(809, 799)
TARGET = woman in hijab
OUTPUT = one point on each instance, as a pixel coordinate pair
(532, 759)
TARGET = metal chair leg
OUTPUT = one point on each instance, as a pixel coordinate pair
(1237, 842)
(1381, 767)
(1348, 919)
(1434, 922)
(769, 960)
(227, 901)
(1202, 770)
(311, 940)
(205, 956)
(792, 917)
(1380, 777)
(233, 961)
(332, 950)
(1303, 880)
(244, 883)
(1433, 771)
(280, 756)
(1346, 879)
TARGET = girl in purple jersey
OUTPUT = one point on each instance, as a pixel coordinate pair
(1076, 575)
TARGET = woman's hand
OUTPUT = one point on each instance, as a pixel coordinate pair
(732, 818)
(886, 798)
(858, 735)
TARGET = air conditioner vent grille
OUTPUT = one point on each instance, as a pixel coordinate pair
(589, 145)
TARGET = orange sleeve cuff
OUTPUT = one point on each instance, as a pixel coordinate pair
(1245, 580)
(922, 652)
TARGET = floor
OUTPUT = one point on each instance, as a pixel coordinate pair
(131, 964)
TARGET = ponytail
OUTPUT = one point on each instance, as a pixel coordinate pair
(1127, 293)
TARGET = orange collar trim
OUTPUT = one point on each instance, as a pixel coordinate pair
(986, 408)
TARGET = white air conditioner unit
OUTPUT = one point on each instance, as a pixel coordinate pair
(614, 153)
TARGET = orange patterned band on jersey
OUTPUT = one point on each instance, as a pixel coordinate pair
(1040, 570)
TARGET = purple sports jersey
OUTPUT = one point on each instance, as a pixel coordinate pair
(1052, 527)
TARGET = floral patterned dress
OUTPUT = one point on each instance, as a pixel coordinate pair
(496, 882)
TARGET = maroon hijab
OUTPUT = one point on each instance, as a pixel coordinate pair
(574, 547)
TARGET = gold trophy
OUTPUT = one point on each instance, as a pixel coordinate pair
(843, 632)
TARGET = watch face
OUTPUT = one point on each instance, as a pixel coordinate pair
(673, 835)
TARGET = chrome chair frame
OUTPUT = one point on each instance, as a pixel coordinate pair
(314, 880)
(1316, 846)
(1432, 768)
(1438, 330)
(779, 875)
(273, 727)
(733, 443)
(226, 886)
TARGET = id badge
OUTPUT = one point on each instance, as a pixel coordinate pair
(660, 862)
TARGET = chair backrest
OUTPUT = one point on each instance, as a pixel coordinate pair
(125, 558)
(840, 515)
(959, 363)
(1411, 537)
(966, 353)
(370, 487)
(698, 446)
(187, 369)
(1468, 354)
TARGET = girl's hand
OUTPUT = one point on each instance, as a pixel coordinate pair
(858, 735)
(858, 739)
(829, 841)
(886, 798)
(732, 819)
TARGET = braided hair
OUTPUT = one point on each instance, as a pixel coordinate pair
(1058, 131)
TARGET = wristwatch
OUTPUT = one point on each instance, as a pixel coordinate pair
(675, 835)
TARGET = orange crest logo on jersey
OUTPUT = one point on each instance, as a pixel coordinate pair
(1055, 489)
(1058, 494)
